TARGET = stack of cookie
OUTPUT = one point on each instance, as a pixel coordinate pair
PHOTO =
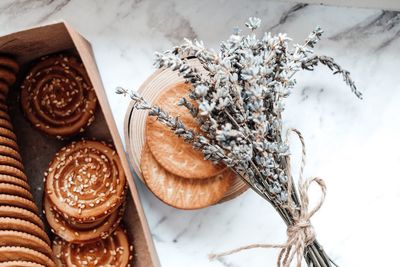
(84, 202)
(23, 241)
(175, 172)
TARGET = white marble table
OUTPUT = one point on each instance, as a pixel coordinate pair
(351, 144)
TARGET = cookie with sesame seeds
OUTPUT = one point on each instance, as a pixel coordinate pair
(113, 251)
(57, 96)
(9, 63)
(92, 180)
(14, 180)
(19, 263)
(10, 253)
(14, 224)
(21, 239)
(79, 233)
(7, 76)
(15, 190)
(21, 213)
(12, 171)
(15, 201)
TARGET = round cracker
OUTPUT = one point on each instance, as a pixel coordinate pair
(24, 254)
(22, 214)
(9, 161)
(174, 155)
(183, 193)
(8, 134)
(3, 114)
(4, 88)
(7, 76)
(20, 264)
(20, 202)
(9, 170)
(4, 141)
(6, 124)
(14, 224)
(15, 190)
(20, 239)
(14, 180)
(9, 63)
(73, 235)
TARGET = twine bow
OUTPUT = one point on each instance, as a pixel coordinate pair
(300, 233)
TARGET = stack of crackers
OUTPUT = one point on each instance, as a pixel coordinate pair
(23, 241)
(172, 169)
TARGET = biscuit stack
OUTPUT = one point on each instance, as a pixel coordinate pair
(175, 172)
(23, 241)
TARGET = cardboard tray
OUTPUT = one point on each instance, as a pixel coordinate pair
(37, 149)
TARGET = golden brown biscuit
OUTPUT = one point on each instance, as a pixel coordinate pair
(171, 151)
(20, 264)
(4, 141)
(24, 254)
(13, 224)
(9, 161)
(58, 97)
(15, 201)
(9, 170)
(181, 192)
(7, 76)
(9, 63)
(85, 181)
(14, 180)
(113, 251)
(15, 190)
(78, 234)
(3, 88)
(6, 124)
(21, 239)
(8, 134)
(20, 213)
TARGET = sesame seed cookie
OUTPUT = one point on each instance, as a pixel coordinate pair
(57, 96)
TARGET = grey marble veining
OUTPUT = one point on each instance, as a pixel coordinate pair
(352, 144)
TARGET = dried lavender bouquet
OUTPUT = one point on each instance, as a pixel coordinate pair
(239, 107)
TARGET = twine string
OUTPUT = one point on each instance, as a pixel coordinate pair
(301, 233)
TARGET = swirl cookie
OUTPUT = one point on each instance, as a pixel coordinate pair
(171, 151)
(112, 251)
(57, 96)
(181, 192)
(85, 181)
(80, 233)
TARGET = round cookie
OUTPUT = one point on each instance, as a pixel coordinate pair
(171, 151)
(20, 213)
(19, 225)
(65, 230)
(20, 239)
(8, 134)
(20, 202)
(9, 170)
(181, 192)
(15, 190)
(99, 182)
(6, 124)
(14, 180)
(20, 264)
(24, 254)
(112, 251)
(7, 76)
(9, 63)
(4, 87)
(9, 161)
(57, 96)
(4, 141)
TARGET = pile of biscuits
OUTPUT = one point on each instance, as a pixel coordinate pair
(84, 202)
(176, 173)
(23, 241)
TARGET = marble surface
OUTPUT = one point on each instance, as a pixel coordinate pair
(352, 144)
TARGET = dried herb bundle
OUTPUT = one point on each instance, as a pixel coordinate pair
(240, 104)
